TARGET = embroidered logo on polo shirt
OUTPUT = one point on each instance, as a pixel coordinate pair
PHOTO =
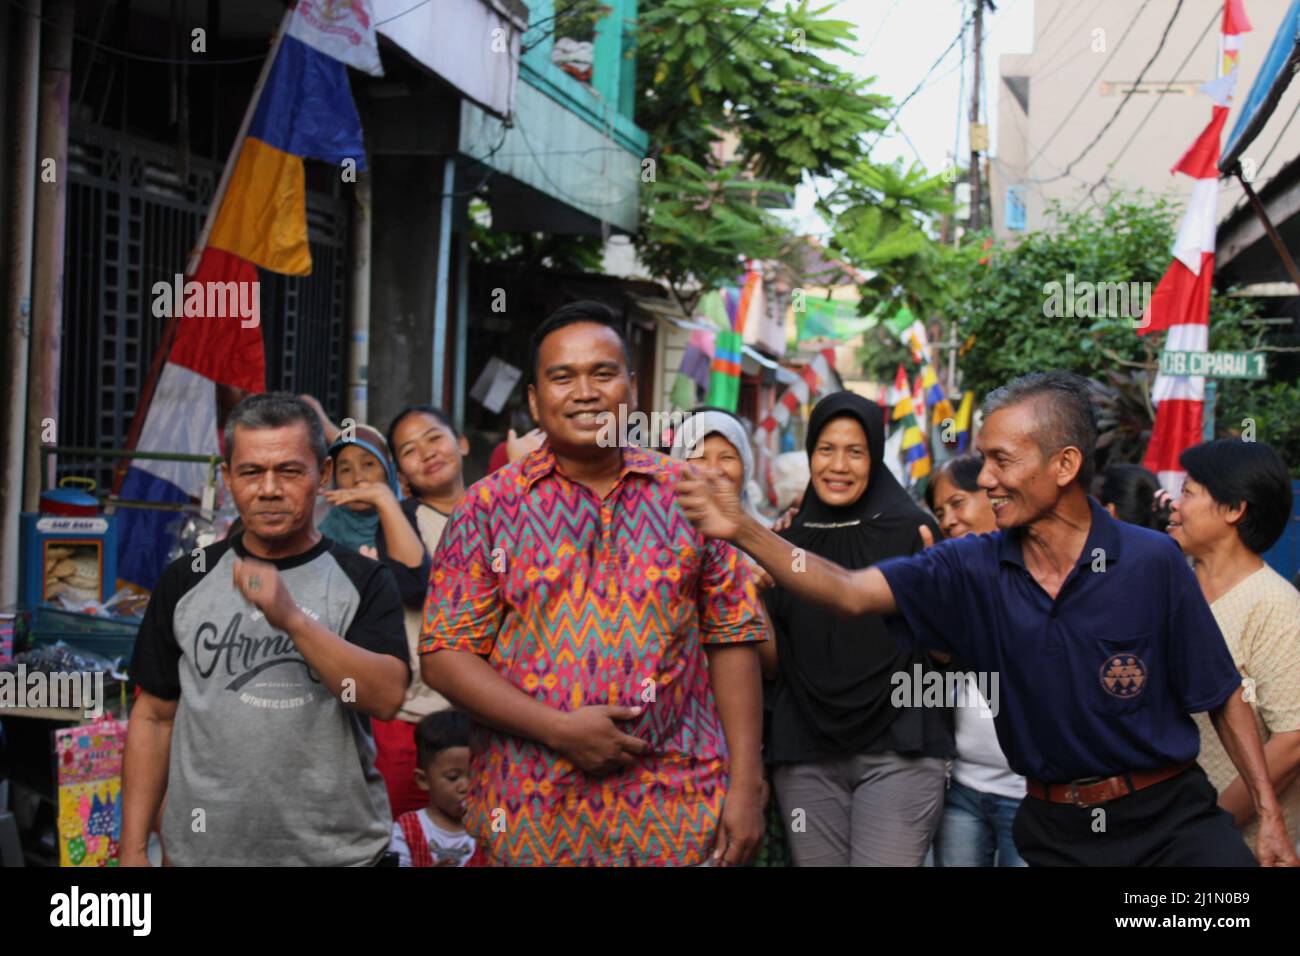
(1123, 676)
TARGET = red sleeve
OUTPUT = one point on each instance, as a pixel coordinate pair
(498, 458)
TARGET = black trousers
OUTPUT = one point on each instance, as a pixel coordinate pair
(1176, 822)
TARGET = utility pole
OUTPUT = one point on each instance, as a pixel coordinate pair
(976, 203)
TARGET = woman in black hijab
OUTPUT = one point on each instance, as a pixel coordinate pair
(868, 775)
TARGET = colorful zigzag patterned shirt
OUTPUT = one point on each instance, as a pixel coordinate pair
(578, 601)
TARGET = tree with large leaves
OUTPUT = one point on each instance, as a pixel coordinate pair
(750, 76)
(885, 218)
(1004, 309)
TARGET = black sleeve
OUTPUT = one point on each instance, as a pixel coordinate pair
(379, 624)
(412, 583)
(156, 658)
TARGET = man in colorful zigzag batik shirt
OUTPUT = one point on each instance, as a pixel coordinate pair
(605, 651)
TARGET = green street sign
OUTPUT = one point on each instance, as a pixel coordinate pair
(1214, 364)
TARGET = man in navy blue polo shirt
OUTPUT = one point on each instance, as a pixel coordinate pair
(1097, 630)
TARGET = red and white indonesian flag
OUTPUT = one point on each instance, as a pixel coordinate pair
(182, 418)
(812, 379)
(1180, 304)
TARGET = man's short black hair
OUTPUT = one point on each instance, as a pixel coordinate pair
(440, 731)
(1235, 471)
(433, 410)
(595, 313)
(276, 410)
(1066, 417)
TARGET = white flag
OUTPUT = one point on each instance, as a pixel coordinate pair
(342, 29)
(1221, 90)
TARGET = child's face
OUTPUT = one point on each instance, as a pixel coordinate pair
(355, 465)
(446, 779)
(428, 455)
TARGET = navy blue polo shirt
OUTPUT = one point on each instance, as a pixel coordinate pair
(1101, 681)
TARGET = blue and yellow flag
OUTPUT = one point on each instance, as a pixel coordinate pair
(935, 400)
(916, 455)
(305, 111)
(963, 421)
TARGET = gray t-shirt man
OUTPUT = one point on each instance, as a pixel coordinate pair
(268, 768)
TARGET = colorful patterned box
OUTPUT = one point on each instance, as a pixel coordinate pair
(90, 792)
(6, 638)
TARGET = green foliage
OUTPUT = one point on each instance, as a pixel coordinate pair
(754, 68)
(577, 19)
(885, 217)
(748, 74)
(1004, 303)
(696, 221)
(1273, 406)
(531, 250)
(1003, 309)
(880, 353)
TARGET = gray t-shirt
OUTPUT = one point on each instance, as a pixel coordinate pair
(268, 768)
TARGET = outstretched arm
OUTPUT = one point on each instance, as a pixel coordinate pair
(710, 502)
(1234, 722)
(813, 578)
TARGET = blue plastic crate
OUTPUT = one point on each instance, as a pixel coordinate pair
(109, 637)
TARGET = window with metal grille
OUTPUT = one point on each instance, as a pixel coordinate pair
(131, 220)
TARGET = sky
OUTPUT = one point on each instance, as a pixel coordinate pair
(897, 42)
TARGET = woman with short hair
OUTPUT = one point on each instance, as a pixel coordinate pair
(1235, 504)
(984, 793)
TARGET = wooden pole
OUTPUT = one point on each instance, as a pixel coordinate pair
(196, 255)
(215, 206)
(1287, 262)
(976, 203)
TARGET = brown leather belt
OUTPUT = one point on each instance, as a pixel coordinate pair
(1091, 791)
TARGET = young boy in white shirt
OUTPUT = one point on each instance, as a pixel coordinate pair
(435, 835)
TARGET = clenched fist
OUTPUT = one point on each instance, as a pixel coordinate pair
(260, 583)
(710, 501)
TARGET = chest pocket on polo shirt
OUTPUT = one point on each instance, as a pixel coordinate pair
(1122, 676)
(539, 573)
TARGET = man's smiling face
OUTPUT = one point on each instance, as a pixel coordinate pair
(1017, 476)
(581, 379)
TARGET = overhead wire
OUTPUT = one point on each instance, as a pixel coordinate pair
(1072, 34)
(961, 31)
(1069, 113)
(1164, 37)
(1159, 100)
(95, 44)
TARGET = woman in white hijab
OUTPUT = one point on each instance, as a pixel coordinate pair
(718, 440)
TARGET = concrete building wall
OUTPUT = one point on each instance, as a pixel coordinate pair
(407, 200)
(1084, 57)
